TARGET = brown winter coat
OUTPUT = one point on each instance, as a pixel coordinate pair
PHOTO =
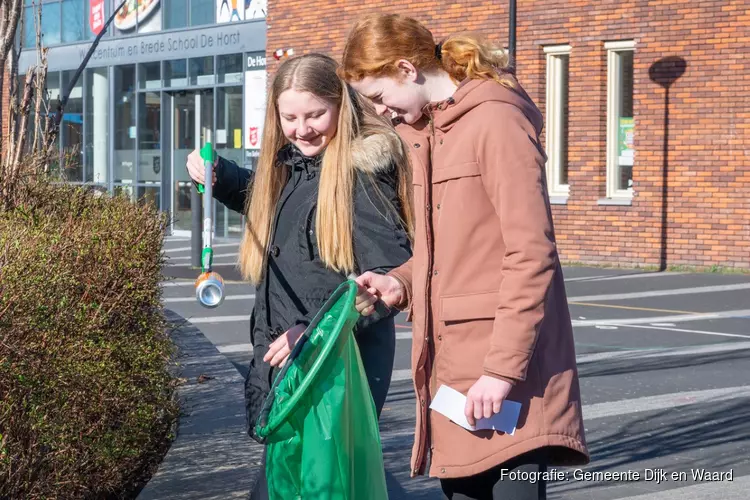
(485, 288)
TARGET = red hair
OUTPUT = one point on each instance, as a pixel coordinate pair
(378, 41)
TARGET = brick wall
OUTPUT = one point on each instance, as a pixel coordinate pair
(708, 201)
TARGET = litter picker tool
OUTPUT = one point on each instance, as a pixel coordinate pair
(209, 286)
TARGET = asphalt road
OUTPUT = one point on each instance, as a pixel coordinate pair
(664, 366)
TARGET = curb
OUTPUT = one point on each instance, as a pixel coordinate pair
(212, 456)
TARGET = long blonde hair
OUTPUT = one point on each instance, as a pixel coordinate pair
(378, 41)
(316, 73)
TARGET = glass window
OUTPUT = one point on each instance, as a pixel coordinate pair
(125, 190)
(149, 194)
(53, 90)
(71, 129)
(51, 98)
(563, 126)
(20, 84)
(620, 119)
(175, 73)
(149, 19)
(229, 68)
(72, 17)
(49, 108)
(229, 145)
(176, 14)
(29, 28)
(229, 123)
(149, 137)
(63, 21)
(192, 122)
(124, 133)
(97, 125)
(35, 124)
(51, 24)
(150, 75)
(625, 151)
(201, 70)
(202, 12)
(558, 58)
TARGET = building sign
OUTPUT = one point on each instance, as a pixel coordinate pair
(255, 101)
(158, 46)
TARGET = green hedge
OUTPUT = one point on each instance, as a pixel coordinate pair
(86, 398)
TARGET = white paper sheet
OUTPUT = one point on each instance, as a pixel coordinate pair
(221, 136)
(451, 403)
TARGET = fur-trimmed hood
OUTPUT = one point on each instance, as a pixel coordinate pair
(373, 154)
(377, 153)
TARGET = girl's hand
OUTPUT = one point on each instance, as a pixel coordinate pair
(485, 398)
(196, 168)
(279, 350)
(373, 286)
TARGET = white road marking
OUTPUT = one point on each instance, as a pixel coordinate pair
(738, 313)
(661, 293)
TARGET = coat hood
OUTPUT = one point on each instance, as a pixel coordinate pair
(372, 154)
(472, 93)
(377, 153)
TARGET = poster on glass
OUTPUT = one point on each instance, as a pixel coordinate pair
(626, 150)
(256, 9)
(228, 11)
(96, 16)
(141, 16)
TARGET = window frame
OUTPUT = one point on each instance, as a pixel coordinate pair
(554, 116)
(614, 50)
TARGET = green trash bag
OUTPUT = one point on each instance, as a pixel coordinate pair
(319, 421)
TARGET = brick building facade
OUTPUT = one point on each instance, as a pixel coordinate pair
(600, 72)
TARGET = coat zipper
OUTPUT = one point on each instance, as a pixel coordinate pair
(428, 320)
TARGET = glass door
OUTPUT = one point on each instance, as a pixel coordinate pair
(192, 123)
(228, 145)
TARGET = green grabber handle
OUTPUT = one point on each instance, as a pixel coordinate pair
(208, 156)
(207, 259)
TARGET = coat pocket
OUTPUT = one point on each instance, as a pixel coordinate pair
(470, 169)
(468, 307)
(463, 339)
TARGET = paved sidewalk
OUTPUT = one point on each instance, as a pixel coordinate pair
(212, 457)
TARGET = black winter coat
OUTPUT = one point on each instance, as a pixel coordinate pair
(296, 283)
